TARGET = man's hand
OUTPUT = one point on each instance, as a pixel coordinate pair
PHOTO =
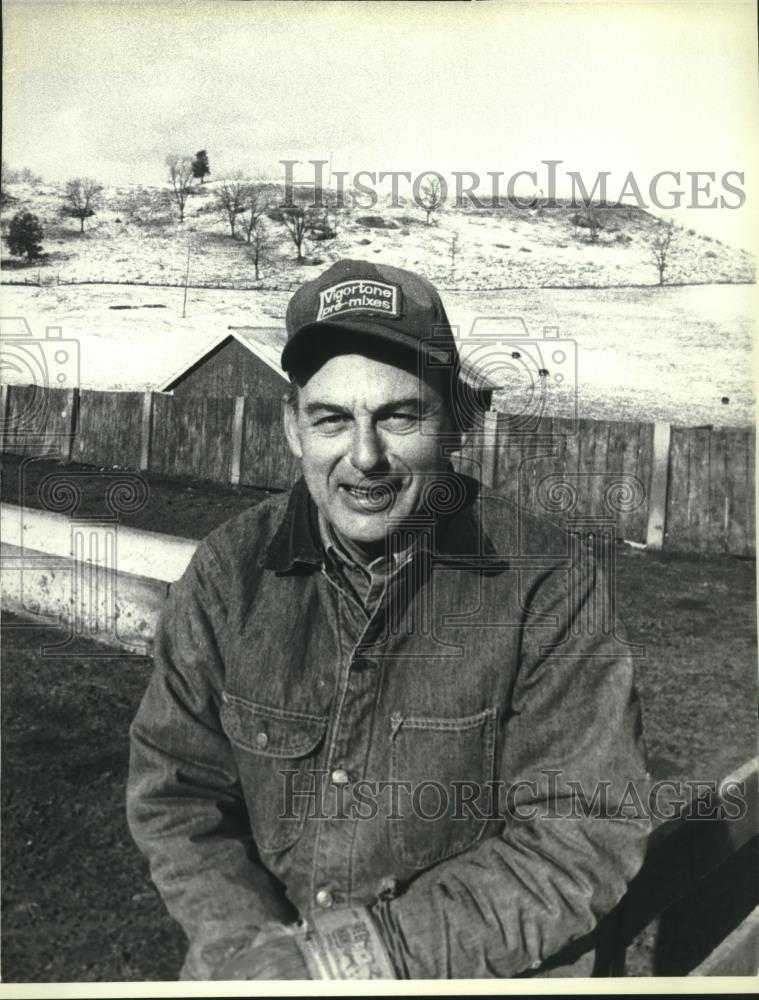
(342, 944)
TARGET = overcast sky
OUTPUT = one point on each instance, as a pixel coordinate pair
(109, 88)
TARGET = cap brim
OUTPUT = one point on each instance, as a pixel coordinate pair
(304, 344)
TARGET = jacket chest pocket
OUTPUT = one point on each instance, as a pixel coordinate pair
(275, 751)
(441, 768)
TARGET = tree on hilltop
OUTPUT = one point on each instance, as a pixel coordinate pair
(200, 166)
(180, 176)
(230, 198)
(431, 196)
(297, 216)
(661, 245)
(260, 243)
(255, 206)
(81, 199)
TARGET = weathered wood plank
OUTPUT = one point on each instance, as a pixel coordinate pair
(237, 431)
(658, 486)
(678, 499)
(700, 488)
(684, 851)
(738, 955)
(739, 459)
(716, 521)
(266, 457)
(146, 429)
(109, 426)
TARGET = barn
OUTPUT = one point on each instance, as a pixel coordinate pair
(244, 361)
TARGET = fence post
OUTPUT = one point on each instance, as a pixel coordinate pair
(238, 421)
(4, 408)
(72, 401)
(489, 447)
(147, 429)
(657, 493)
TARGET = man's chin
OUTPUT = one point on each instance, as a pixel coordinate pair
(363, 529)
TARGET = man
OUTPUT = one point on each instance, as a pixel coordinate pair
(377, 697)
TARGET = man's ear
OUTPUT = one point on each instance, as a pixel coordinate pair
(290, 421)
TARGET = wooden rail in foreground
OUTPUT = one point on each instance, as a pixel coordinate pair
(698, 885)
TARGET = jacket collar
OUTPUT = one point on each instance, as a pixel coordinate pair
(297, 540)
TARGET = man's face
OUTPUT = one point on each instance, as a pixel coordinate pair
(367, 435)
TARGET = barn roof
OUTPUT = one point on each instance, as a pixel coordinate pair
(265, 342)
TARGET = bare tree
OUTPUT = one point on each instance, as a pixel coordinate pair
(260, 243)
(661, 244)
(588, 220)
(454, 249)
(297, 216)
(591, 222)
(431, 196)
(334, 210)
(254, 208)
(80, 199)
(180, 178)
(230, 197)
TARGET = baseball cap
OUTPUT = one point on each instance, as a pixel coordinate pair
(378, 301)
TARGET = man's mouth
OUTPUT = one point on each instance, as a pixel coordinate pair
(377, 496)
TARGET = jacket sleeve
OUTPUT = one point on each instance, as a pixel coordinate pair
(515, 900)
(184, 803)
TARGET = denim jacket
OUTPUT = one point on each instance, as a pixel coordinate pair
(294, 751)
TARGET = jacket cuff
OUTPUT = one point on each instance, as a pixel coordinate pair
(345, 943)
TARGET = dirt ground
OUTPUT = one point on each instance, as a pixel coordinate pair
(188, 509)
(77, 902)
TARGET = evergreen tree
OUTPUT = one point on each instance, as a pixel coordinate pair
(200, 167)
(25, 235)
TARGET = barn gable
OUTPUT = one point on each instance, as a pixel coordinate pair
(235, 365)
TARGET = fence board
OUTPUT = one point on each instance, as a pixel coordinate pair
(700, 460)
(711, 490)
(109, 428)
(192, 437)
(740, 491)
(266, 457)
(39, 421)
(679, 488)
(718, 512)
(637, 461)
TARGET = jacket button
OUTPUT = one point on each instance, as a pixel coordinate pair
(324, 898)
(339, 777)
(262, 741)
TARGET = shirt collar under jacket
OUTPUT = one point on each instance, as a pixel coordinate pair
(297, 542)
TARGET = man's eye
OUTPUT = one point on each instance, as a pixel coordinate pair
(398, 421)
(333, 420)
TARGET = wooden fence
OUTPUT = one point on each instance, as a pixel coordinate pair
(697, 887)
(685, 489)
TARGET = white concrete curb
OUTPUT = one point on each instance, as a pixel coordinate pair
(99, 580)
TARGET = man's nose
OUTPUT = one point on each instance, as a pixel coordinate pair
(367, 452)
